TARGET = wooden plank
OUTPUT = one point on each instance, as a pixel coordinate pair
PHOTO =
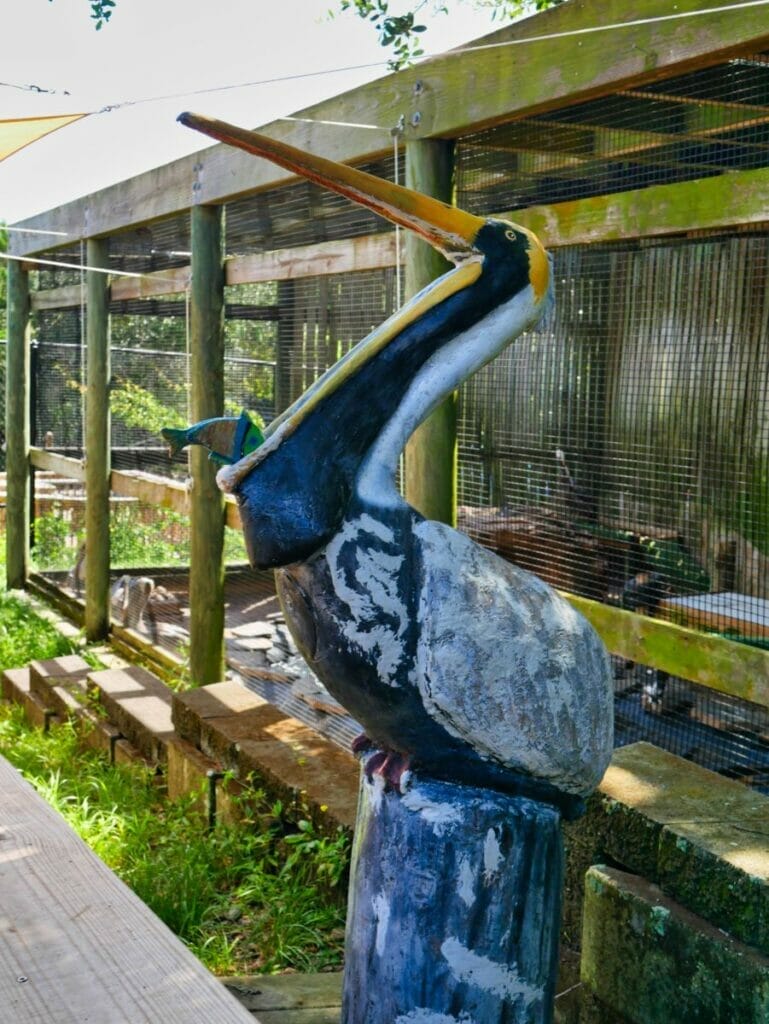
(286, 992)
(58, 298)
(345, 256)
(206, 401)
(62, 465)
(507, 82)
(723, 201)
(17, 428)
(723, 665)
(740, 613)
(431, 452)
(164, 492)
(97, 444)
(75, 943)
(160, 282)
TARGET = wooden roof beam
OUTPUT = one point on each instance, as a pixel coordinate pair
(452, 94)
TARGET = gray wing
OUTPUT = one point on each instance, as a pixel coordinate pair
(509, 666)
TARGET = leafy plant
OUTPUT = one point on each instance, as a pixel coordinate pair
(137, 407)
(402, 32)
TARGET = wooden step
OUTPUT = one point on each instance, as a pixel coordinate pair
(76, 944)
(290, 998)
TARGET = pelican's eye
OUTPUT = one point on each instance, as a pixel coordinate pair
(511, 235)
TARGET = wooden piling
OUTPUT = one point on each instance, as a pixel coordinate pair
(431, 454)
(454, 907)
(17, 426)
(207, 400)
(97, 444)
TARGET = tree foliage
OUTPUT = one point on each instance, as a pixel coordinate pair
(101, 11)
(402, 33)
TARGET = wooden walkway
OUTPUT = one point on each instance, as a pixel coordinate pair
(76, 945)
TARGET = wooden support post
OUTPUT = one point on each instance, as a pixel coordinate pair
(207, 400)
(17, 427)
(97, 444)
(431, 454)
(454, 913)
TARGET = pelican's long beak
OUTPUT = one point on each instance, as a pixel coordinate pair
(448, 229)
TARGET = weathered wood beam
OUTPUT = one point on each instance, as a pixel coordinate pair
(723, 201)
(723, 665)
(165, 493)
(206, 401)
(507, 81)
(62, 465)
(17, 428)
(57, 298)
(346, 256)
(148, 286)
(97, 445)
(431, 453)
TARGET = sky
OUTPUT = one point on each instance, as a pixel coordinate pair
(154, 48)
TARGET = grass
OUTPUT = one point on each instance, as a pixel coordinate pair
(266, 895)
(25, 636)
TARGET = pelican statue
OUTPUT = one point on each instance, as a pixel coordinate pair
(458, 664)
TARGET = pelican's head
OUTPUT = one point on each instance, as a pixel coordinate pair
(501, 270)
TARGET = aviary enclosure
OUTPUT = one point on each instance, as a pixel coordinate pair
(621, 451)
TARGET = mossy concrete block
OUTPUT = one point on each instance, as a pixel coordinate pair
(70, 670)
(220, 737)
(721, 871)
(219, 700)
(15, 684)
(653, 961)
(95, 732)
(139, 704)
(702, 837)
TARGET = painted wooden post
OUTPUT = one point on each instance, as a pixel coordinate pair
(431, 454)
(97, 444)
(207, 400)
(455, 907)
(17, 426)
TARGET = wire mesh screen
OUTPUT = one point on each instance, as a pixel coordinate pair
(150, 380)
(629, 460)
(696, 125)
(302, 214)
(58, 375)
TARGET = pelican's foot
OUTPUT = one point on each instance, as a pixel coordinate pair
(394, 769)
(362, 744)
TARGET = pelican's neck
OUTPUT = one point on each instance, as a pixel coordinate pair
(441, 374)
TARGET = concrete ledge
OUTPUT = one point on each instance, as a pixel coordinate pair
(262, 746)
(139, 705)
(16, 687)
(651, 960)
(703, 838)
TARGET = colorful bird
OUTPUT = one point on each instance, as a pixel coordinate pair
(228, 438)
(457, 663)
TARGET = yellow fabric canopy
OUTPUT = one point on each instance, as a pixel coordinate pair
(20, 131)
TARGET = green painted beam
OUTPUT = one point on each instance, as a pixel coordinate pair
(724, 201)
(97, 444)
(431, 454)
(723, 665)
(207, 400)
(17, 428)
